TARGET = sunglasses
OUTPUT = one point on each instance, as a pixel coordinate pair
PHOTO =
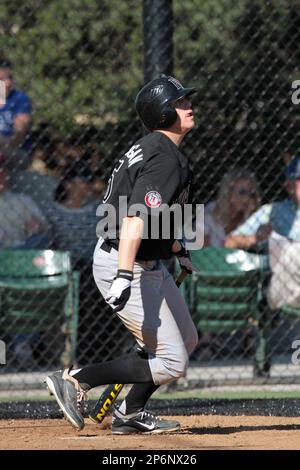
(244, 192)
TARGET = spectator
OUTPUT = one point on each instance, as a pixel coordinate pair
(72, 215)
(15, 121)
(22, 225)
(16, 142)
(73, 221)
(279, 224)
(237, 198)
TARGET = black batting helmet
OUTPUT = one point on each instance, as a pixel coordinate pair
(154, 102)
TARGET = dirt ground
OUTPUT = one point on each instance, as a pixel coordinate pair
(198, 433)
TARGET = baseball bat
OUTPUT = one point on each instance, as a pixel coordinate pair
(112, 391)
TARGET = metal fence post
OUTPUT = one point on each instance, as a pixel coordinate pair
(158, 38)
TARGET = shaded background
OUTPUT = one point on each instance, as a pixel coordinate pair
(82, 63)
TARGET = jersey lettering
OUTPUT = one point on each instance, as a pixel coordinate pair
(108, 189)
(134, 155)
(121, 161)
(175, 82)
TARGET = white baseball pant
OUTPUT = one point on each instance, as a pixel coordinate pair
(156, 314)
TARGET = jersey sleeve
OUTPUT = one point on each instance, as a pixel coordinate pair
(252, 224)
(155, 185)
(23, 105)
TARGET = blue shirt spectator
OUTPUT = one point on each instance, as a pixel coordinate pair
(15, 122)
(17, 103)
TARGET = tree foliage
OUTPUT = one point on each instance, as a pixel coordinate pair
(81, 61)
(76, 58)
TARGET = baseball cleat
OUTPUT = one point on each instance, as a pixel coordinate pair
(69, 396)
(142, 422)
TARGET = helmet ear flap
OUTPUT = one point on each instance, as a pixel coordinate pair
(168, 117)
(162, 119)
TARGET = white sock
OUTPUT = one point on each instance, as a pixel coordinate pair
(74, 371)
(122, 407)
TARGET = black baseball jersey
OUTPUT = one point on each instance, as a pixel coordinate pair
(153, 173)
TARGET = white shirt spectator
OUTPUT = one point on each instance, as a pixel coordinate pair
(212, 227)
(16, 212)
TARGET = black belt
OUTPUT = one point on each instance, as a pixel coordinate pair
(106, 246)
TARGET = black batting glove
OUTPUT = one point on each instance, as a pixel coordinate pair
(185, 260)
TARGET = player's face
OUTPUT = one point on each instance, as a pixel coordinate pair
(243, 196)
(6, 77)
(185, 119)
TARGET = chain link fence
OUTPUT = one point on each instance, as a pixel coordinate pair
(77, 66)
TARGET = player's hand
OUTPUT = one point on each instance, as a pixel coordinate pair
(120, 290)
(185, 261)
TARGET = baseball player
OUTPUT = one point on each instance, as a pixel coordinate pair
(129, 273)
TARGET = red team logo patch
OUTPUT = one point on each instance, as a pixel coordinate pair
(153, 199)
